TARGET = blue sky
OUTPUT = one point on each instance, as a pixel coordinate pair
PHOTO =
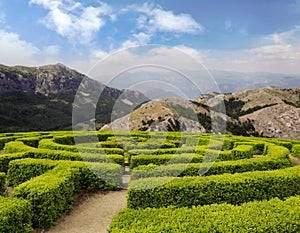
(236, 35)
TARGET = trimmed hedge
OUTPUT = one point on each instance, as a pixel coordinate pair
(21, 170)
(2, 182)
(6, 158)
(296, 150)
(52, 193)
(266, 216)
(15, 147)
(231, 188)
(15, 215)
(138, 160)
(276, 151)
(30, 152)
(4, 140)
(50, 144)
(242, 152)
(258, 147)
(238, 166)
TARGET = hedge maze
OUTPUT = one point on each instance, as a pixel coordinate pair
(180, 182)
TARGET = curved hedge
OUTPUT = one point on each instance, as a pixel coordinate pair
(50, 144)
(52, 193)
(266, 216)
(2, 182)
(15, 215)
(231, 188)
(238, 166)
(31, 152)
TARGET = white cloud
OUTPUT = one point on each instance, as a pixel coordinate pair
(156, 19)
(278, 52)
(167, 21)
(138, 39)
(15, 51)
(73, 20)
(153, 20)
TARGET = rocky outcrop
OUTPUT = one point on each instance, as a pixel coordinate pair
(156, 115)
(280, 121)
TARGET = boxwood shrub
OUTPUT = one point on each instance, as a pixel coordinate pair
(15, 215)
(52, 193)
(193, 169)
(231, 188)
(21, 170)
(266, 216)
(296, 150)
(138, 160)
(2, 182)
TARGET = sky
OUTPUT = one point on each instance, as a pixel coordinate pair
(231, 35)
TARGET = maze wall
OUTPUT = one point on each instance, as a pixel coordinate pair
(179, 181)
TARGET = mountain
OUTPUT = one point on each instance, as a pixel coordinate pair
(268, 112)
(42, 98)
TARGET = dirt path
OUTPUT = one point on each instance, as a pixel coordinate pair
(92, 213)
(295, 160)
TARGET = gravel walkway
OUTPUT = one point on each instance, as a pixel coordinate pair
(92, 213)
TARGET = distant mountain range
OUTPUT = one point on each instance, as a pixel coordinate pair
(267, 112)
(42, 98)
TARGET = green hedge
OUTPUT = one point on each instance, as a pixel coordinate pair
(6, 158)
(158, 159)
(242, 152)
(138, 160)
(258, 147)
(4, 140)
(15, 215)
(52, 193)
(266, 216)
(33, 141)
(2, 182)
(296, 150)
(31, 152)
(277, 151)
(50, 144)
(193, 169)
(15, 147)
(21, 170)
(231, 188)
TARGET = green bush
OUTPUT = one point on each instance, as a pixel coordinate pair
(6, 139)
(231, 188)
(258, 147)
(21, 170)
(2, 182)
(276, 151)
(100, 158)
(15, 147)
(50, 144)
(33, 141)
(15, 215)
(296, 150)
(266, 216)
(194, 169)
(242, 152)
(6, 158)
(52, 193)
(163, 159)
